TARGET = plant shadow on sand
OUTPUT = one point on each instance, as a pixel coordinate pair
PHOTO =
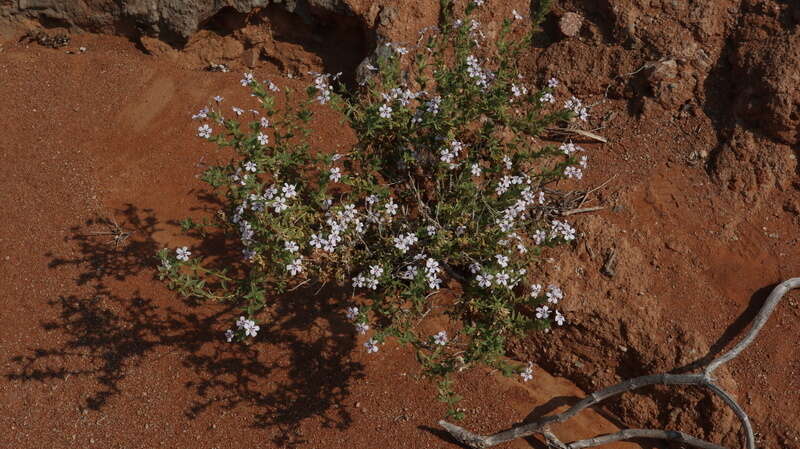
(297, 369)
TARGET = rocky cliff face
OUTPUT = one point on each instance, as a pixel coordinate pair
(173, 21)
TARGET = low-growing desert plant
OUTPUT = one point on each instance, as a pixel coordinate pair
(446, 185)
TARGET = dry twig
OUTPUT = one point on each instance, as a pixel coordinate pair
(118, 233)
(704, 379)
(582, 210)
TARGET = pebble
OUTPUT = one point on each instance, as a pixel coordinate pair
(570, 24)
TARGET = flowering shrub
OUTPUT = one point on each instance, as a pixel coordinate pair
(445, 188)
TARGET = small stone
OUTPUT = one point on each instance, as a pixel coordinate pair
(570, 24)
(251, 56)
(155, 46)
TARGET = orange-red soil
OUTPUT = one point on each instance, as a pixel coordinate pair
(96, 353)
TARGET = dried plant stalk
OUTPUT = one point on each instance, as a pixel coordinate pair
(704, 379)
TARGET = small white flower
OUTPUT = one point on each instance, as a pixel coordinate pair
(575, 105)
(440, 338)
(362, 328)
(336, 174)
(476, 170)
(238, 111)
(289, 190)
(204, 131)
(516, 15)
(218, 99)
(270, 192)
(431, 230)
(547, 97)
(474, 268)
(560, 319)
(502, 279)
(573, 172)
(291, 246)
(263, 139)
(552, 83)
(431, 265)
(295, 267)
(248, 254)
(385, 111)
(527, 374)
(543, 312)
(279, 205)
(410, 273)
(502, 260)
(562, 229)
(351, 313)
(264, 122)
(250, 166)
(536, 290)
(248, 78)
(376, 270)
(371, 345)
(391, 207)
(241, 322)
(229, 334)
(316, 241)
(404, 241)
(569, 148)
(251, 328)
(554, 294)
(484, 280)
(183, 253)
(203, 113)
(359, 281)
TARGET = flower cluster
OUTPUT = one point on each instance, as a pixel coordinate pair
(369, 279)
(322, 84)
(481, 76)
(244, 328)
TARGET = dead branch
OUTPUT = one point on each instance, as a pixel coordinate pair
(629, 434)
(704, 379)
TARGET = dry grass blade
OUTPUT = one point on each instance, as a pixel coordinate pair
(580, 132)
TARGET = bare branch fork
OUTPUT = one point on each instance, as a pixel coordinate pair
(704, 379)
